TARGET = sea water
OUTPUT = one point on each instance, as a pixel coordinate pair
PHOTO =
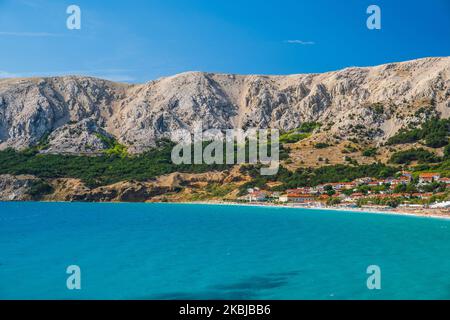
(182, 251)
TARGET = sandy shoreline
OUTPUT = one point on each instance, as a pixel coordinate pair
(424, 213)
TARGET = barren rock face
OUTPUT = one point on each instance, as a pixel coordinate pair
(30, 109)
(71, 110)
(82, 137)
(15, 188)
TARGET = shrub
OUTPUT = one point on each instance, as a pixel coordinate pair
(421, 155)
(405, 136)
(371, 152)
(436, 140)
(293, 137)
(114, 147)
(393, 203)
(333, 201)
(377, 108)
(435, 132)
(321, 145)
(98, 170)
(308, 127)
(39, 188)
(447, 152)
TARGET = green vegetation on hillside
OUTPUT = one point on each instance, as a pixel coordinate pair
(321, 145)
(377, 108)
(38, 188)
(114, 147)
(308, 177)
(309, 127)
(435, 133)
(293, 137)
(370, 152)
(421, 155)
(300, 133)
(97, 170)
(393, 203)
(113, 166)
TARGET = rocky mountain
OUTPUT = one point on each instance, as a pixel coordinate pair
(74, 114)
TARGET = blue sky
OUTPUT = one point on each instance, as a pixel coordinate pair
(137, 41)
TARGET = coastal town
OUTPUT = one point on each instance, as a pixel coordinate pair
(422, 193)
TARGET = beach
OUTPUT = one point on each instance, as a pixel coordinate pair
(422, 212)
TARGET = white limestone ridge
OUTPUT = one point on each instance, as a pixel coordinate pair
(74, 111)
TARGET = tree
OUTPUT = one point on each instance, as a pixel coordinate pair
(393, 203)
(371, 152)
(333, 201)
(436, 140)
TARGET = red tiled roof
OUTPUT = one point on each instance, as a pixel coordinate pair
(297, 195)
(429, 175)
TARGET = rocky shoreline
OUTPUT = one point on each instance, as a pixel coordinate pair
(173, 187)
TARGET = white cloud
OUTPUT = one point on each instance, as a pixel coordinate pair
(301, 42)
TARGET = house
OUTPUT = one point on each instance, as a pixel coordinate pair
(324, 197)
(400, 181)
(373, 183)
(251, 190)
(275, 195)
(422, 195)
(256, 196)
(405, 180)
(356, 196)
(363, 180)
(337, 186)
(428, 177)
(399, 195)
(440, 205)
(347, 205)
(338, 196)
(320, 188)
(299, 198)
(304, 190)
(407, 174)
(444, 180)
(348, 185)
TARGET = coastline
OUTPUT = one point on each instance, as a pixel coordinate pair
(436, 213)
(421, 214)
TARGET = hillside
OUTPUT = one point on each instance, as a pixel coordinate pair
(367, 104)
(85, 139)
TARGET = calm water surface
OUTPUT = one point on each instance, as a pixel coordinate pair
(175, 251)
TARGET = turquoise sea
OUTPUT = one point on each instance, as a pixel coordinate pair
(177, 251)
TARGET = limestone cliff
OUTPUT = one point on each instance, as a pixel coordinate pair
(71, 113)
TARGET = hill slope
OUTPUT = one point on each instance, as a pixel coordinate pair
(75, 114)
